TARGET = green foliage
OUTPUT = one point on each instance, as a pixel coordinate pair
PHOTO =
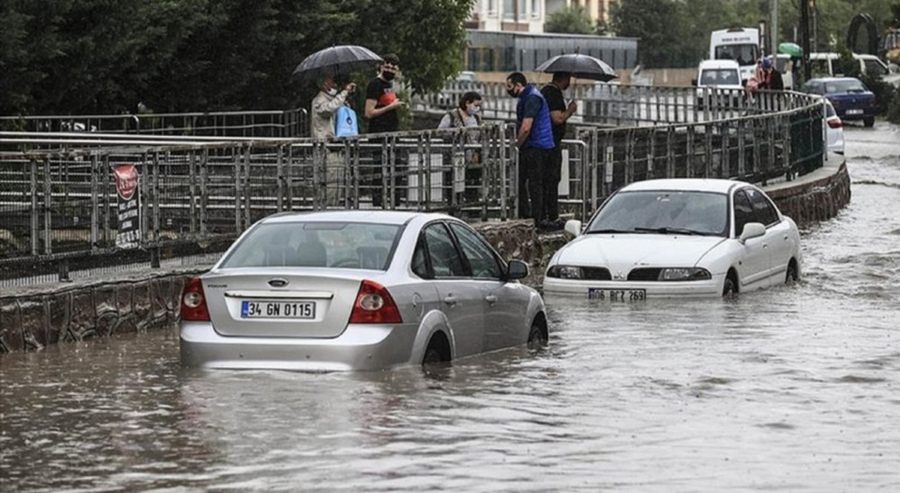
(98, 56)
(571, 20)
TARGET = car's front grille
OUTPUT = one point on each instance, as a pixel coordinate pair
(596, 273)
(644, 274)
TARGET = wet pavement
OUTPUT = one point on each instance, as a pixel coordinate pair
(795, 389)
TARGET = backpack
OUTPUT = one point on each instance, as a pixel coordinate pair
(345, 124)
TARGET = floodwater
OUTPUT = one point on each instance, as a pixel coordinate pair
(791, 389)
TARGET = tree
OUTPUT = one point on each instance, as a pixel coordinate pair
(569, 20)
(97, 56)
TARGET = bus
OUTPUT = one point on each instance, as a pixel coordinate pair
(740, 44)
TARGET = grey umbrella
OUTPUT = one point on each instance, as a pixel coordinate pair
(580, 66)
(336, 60)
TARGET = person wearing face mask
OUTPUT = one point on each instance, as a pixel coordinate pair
(381, 111)
(467, 115)
(560, 113)
(324, 105)
(534, 139)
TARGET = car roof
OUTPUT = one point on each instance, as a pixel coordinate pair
(831, 79)
(719, 64)
(685, 184)
(359, 216)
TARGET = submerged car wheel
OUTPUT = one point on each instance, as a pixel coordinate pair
(438, 350)
(729, 290)
(869, 121)
(792, 275)
(537, 337)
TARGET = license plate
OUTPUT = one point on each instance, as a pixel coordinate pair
(626, 295)
(278, 309)
(854, 112)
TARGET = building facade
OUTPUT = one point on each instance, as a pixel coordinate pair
(597, 10)
(525, 16)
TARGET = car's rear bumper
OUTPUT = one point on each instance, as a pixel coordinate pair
(867, 113)
(359, 347)
(687, 289)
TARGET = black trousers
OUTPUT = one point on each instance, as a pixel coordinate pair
(531, 182)
(552, 173)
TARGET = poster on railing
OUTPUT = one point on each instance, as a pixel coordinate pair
(128, 206)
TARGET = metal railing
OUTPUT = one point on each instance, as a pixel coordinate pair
(57, 194)
(284, 124)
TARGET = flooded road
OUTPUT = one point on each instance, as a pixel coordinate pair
(792, 389)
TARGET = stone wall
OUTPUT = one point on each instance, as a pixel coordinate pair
(810, 201)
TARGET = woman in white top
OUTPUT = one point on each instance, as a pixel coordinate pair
(466, 115)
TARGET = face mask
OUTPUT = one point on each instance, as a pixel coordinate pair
(474, 110)
(331, 92)
(512, 93)
(388, 75)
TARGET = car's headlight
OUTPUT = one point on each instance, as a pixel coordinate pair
(684, 274)
(565, 272)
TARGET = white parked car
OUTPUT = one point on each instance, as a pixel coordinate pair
(834, 129)
(356, 290)
(678, 237)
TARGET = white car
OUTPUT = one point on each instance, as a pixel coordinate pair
(356, 290)
(834, 129)
(678, 237)
(719, 82)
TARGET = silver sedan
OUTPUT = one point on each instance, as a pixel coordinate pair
(356, 290)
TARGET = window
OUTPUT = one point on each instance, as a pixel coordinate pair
(316, 244)
(762, 207)
(419, 264)
(445, 259)
(744, 54)
(874, 68)
(688, 212)
(743, 212)
(480, 256)
(720, 77)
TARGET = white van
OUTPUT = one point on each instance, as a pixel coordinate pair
(825, 65)
(722, 75)
(740, 44)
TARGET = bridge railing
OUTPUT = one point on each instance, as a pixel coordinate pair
(57, 193)
(284, 124)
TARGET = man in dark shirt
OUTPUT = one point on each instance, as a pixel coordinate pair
(534, 138)
(773, 80)
(559, 114)
(381, 111)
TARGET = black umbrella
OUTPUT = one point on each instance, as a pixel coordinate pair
(580, 66)
(335, 60)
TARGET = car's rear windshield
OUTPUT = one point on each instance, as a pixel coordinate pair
(846, 85)
(336, 245)
(720, 77)
(665, 212)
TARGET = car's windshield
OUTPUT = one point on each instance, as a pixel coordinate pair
(665, 212)
(339, 245)
(844, 85)
(719, 77)
(745, 54)
(874, 68)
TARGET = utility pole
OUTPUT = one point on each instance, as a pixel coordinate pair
(804, 37)
(773, 27)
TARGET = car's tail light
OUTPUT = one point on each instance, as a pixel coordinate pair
(374, 305)
(193, 302)
(835, 122)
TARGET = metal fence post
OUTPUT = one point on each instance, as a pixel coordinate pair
(156, 201)
(204, 191)
(235, 151)
(35, 228)
(192, 188)
(107, 204)
(95, 206)
(48, 222)
(248, 192)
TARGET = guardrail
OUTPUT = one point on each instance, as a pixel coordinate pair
(284, 124)
(57, 194)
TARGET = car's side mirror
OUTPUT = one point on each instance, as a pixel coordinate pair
(573, 227)
(752, 230)
(516, 270)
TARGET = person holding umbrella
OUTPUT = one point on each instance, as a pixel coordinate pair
(325, 104)
(560, 113)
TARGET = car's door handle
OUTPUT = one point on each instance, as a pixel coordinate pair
(786, 237)
(450, 300)
(491, 299)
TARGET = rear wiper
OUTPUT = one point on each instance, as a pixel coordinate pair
(667, 231)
